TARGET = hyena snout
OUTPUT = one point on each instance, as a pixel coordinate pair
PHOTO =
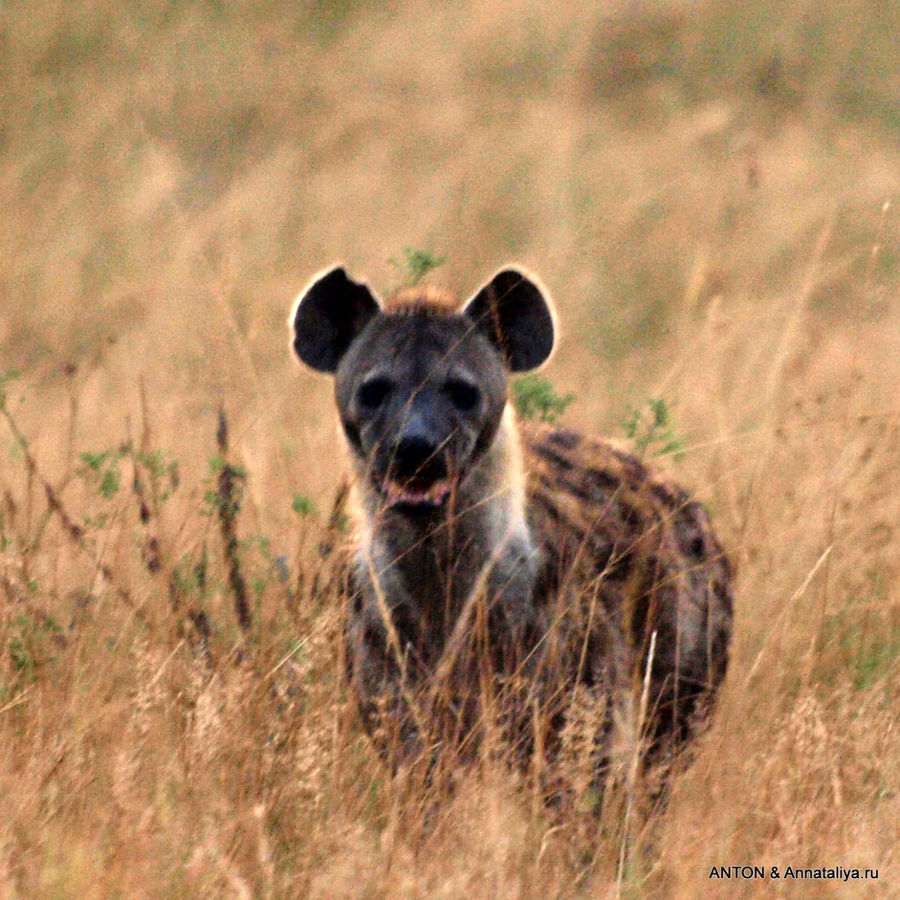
(417, 459)
(419, 470)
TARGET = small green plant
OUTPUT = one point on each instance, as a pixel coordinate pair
(535, 398)
(415, 265)
(303, 506)
(162, 472)
(33, 642)
(652, 430)
(102, 470)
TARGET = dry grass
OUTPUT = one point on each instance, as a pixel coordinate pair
(710, 204)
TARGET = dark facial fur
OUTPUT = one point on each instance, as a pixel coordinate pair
(420, 394)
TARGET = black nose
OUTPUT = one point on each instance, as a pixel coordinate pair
(417, 458)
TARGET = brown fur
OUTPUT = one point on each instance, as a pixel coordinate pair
(422, 296)
(643, 551)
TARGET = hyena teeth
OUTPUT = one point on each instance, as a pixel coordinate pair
(563, 580)
(434, 495)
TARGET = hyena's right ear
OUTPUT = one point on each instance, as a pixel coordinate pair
(329, 314)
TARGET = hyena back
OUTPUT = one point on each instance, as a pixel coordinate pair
(498, 571)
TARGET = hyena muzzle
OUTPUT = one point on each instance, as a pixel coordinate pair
(502, 576)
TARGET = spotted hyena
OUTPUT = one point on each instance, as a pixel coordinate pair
(503, 572)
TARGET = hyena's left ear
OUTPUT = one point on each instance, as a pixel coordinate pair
(515, 315)
(329, 315)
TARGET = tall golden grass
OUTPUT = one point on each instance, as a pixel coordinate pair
(708, 190)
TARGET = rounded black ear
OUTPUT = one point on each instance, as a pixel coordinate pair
(515, 315)
(327, 317)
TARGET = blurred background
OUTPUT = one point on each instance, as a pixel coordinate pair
(174, 172)
(708, 190)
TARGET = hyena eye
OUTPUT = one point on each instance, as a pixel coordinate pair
(373, 393)
(463, 396)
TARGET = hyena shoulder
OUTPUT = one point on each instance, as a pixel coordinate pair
(595, 489)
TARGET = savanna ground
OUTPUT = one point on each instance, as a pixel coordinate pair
(707, 189)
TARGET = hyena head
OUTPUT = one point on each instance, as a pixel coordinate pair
(420, 385)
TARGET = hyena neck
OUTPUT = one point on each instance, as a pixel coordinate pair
(483, 543)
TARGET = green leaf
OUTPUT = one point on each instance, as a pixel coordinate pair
(535, 398)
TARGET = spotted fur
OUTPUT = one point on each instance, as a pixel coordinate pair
(645, 553)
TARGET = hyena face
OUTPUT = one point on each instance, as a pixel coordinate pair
(420, 387)
(419, 400)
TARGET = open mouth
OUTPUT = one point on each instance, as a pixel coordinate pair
(417, 494)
